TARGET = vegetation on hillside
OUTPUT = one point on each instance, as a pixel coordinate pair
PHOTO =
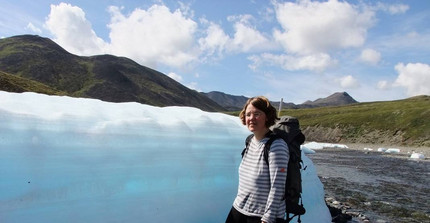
(104, 77)
(407, 120)
(12, 83)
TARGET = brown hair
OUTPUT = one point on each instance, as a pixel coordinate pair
(263, 104)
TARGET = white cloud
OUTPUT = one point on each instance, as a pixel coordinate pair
(154, 36)
(73, 31)
(393, 9)
(383, 85)
(186, 9)
(314, 27)
(412, 35)
(193, 86)
(215, 40)
(149, 37)
(415, 77)
(315, 62)
(175, 77)
(246, 37)
(370, 56)
(33, 28)
(348, 82)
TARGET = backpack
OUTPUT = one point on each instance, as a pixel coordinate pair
(288, 129)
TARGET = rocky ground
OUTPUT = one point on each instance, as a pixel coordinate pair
(405, 151)
(370, 186)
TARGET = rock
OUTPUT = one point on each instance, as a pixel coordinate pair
(334, 211)
(382, 149)
(417, 156)
(392, 150)
(342, 218)
(341, 212)
(335, 202)
(329, 199)
(352, 213)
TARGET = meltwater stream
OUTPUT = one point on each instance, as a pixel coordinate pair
(384, 188)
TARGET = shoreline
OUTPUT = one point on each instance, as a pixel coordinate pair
(405, 151)
(346, 205)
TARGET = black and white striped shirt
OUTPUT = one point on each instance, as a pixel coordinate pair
(261, 187)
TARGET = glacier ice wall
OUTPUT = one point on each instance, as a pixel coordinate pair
(67, 159)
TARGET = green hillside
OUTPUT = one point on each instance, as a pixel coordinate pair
(400, 122)
(13, 83)
(105, 77)
(408, 119)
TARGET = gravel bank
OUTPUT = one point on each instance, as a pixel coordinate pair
(372, 186)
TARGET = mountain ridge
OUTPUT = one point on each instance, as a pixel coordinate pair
(234, 103)
(50, 69)
(104, 77)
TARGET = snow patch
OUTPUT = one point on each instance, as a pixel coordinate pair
(419, 156)
(392, 150)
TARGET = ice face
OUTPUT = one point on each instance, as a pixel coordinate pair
(66, 159)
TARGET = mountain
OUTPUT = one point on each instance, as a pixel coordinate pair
(235, 103)
(230, 102)
(336, 99)
(36, 60)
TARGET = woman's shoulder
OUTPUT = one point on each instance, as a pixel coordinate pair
(279, 144)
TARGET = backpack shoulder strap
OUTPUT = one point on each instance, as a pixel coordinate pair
(272, 137)
(247, 141)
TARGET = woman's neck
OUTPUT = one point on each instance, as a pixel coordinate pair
(261, 134)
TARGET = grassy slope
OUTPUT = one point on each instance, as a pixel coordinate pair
(17, 84)
(409, 117)
(105, 77)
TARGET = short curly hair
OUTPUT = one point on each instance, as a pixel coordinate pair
(263, 104)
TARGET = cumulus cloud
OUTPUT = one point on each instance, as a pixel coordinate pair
(246, 37)
(215, 40)
(393, 9)
(33, 28)
(315, 27)
(348, 82)
(315, 62)
(415, 77)
(150, 37)
(153, 36)
(370, 56)
(383, 85)
(73, 31)
(175, 76)
(194, 86)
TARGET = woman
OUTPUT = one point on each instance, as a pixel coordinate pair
(261, 186)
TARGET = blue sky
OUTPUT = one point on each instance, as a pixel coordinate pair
(295, 50)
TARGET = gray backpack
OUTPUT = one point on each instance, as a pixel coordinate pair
(288, 129)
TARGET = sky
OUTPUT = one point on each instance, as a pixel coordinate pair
(296, 50)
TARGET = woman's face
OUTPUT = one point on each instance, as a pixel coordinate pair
(255, 119)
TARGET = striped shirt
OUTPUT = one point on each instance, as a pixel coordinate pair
(261, 187)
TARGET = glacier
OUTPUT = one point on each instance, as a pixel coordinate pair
(65, 159)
